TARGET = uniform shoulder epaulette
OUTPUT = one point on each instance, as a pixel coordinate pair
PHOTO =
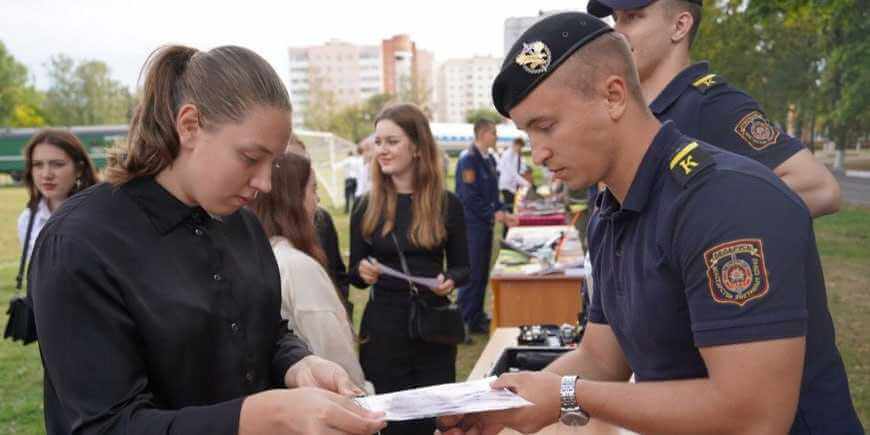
(688, 161)
(707, 81)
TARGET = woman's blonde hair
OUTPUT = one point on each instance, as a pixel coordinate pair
(224, 84)
(427, 228)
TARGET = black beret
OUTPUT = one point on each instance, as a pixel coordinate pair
(539, 52)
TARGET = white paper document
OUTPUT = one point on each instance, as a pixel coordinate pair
(431, 283)
(446, 399)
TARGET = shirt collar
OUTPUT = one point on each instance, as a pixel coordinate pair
(163, 209)
(647, 174)
(42, 210)
(677, 86)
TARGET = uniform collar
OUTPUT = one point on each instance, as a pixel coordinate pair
(164, 210)
(647, 174)
(476, 151)
(677, 86)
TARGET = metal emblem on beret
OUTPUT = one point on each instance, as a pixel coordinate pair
(757, 131)
(736, 273)
(535, 57)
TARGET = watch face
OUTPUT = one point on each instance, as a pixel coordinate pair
(574, 418)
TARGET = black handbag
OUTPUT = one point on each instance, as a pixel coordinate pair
(440, 324)
(22, 324)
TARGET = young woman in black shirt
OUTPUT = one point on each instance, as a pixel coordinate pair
(157, 296)
(407, 201)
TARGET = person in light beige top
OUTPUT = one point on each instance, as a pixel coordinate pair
(309, 300)
(311, 305)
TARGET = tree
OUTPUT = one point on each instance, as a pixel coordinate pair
(415, 90)
(19, 101)
(845, 82)
(833, 36)
(354, 122)
(800, 57)
(483, 113)
(85, 94)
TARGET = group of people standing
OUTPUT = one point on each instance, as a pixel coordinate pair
(202, 268)
(190, 291)
(159, 304)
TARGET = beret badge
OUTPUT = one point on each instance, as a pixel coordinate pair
(534, 58)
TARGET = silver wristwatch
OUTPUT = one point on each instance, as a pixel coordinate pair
(571, 413)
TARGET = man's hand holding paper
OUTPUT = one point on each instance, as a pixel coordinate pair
(540, 388)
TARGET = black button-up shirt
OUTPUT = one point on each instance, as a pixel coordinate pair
(154, 317)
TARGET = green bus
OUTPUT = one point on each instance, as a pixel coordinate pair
(96, 139)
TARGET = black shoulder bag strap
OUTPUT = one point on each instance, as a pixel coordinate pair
(414, 290)
(20, 276)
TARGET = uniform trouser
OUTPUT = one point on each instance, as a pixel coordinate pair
(508, 199)
(349, 193)
(479, 254)
(394, 362)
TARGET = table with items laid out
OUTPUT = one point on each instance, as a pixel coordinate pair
(523, 295)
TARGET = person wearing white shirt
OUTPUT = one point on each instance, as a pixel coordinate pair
(56, 167)
(354, 168)
(510, 170)
(309, 299)
(364, 179)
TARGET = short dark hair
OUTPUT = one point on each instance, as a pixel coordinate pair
(674, 7)
(608, 54)
(482, 125)
(519, 141)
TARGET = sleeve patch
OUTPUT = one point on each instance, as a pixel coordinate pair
(736, 272)
(756, 130)
(468, 176)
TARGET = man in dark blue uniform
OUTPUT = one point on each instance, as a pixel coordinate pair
(477, 189)
(702, 104)
(708, 282)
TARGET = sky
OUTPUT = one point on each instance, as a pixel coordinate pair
(122, 33)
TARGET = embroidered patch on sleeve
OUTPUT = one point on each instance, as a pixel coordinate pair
(736, 273)
(757, 131)
(468, 176)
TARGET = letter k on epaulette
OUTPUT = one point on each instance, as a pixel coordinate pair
(707, 81)
(691, 159)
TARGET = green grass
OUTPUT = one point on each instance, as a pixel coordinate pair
(842, 239)
(843, 244)
(20, 369)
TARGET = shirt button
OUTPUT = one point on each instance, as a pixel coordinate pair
(197, 231)
(217, 277)
(235, 327)
(249, 376)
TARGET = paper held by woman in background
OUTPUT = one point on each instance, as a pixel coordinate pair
(447, 399)
(431, 283)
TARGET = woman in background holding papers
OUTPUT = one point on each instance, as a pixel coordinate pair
(309, 300)
(407, 200)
